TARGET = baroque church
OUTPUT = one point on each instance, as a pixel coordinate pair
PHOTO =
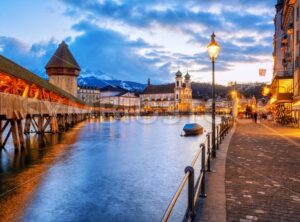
(168, 98)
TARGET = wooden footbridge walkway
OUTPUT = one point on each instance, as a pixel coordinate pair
(30, 104)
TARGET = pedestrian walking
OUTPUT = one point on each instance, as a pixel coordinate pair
(255, 117)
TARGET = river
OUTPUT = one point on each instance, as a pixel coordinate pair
(124, 169)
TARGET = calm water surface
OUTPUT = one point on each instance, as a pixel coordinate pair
(109, 170)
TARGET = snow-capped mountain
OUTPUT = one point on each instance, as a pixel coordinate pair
(95, 73)
(99, 79)
(98, 82)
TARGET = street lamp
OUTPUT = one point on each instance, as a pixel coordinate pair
(233, 94)
(213, 51)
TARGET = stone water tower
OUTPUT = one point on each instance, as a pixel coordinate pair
(63, 69)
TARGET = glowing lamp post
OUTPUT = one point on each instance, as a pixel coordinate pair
(213, 51)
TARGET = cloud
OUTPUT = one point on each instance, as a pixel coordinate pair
(33, 57)
(241, 24)
(114, 53)
(131, 39)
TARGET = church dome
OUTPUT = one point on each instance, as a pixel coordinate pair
(187, 76)
(178, 74)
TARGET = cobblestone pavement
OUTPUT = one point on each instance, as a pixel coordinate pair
(262, 178)
(213, 208)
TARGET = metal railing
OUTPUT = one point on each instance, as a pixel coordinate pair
(197, 190)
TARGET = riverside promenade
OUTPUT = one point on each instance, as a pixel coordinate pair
(261, 178)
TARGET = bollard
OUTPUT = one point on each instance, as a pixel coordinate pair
(208, 152)
(203, 171)
(191, 208)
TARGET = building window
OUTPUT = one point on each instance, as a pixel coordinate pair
(297, 37)
(176, 96)
(297, 12)
(177, 83)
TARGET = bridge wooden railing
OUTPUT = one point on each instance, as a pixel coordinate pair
(14, 106)
(23, 115)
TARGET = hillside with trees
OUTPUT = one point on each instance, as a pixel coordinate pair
(203, 90)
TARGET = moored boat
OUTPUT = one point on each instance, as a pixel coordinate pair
(192, 129)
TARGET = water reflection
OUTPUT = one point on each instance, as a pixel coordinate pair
(109, 170)
(21, 172)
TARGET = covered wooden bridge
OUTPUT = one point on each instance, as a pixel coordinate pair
(30, 104)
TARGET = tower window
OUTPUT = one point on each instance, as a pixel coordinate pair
(177, 83)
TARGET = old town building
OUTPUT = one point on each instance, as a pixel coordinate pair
(119, 98)
(286, 56)
(63, 69)
(89, 94)
(168, 98)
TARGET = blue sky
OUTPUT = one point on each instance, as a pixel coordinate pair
(137, 39)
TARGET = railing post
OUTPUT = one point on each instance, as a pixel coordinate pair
(222, 132)
(208, 152)
(203, 171)
(217, 137)
(191, 208)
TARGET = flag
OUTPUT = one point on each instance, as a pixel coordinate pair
(262, 72)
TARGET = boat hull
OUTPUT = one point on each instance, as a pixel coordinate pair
(193, 132)
(192, 129)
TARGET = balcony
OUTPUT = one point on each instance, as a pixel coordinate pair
(284, 62)
(283, 46)
(288, 56)
(281, 98)
(290, 28)
(297, 62)
(284, 39)
(282, 89)
(285, 96)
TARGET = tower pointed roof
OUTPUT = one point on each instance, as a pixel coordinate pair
(178, 74)
(62, 58)
(187, 75)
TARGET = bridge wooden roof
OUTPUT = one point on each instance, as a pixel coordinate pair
(9, 67)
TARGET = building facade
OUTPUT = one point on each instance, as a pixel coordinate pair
(168, 98)
(286, 57)
(63, 69)
(223, 106)
(89, 94)
(119, 98)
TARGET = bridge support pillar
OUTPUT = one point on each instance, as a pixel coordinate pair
(14, 134)
(21, 133)
(62, 123)
(27, 125)
(1, 139)
(53, 124)
(40, 124)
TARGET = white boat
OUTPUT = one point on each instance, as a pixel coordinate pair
(192, 129)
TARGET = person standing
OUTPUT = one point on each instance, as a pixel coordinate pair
(255, 117)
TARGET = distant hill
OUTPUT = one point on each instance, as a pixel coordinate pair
(203, 90)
